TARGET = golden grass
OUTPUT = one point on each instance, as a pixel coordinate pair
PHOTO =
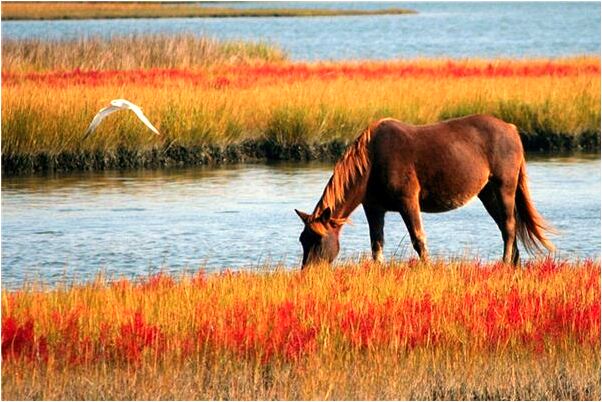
(45, 117)
(450, 330)
(418, 376)
(91, 10)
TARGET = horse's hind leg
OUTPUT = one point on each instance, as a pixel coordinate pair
(410, 212)
(376, 222)
(498, 200)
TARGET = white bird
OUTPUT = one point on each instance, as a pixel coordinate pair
(118, 104)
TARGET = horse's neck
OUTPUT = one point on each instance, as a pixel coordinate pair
(347, 186)
(348, 199)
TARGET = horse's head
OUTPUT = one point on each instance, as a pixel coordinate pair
(320, 237)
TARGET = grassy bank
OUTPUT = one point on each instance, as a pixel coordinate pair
(58, 10)
(452, 330)
(240, 102)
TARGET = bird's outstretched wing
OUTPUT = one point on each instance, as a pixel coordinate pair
(142, 117)
(118, 104)
(104, 112)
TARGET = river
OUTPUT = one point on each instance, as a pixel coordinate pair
(132, 223)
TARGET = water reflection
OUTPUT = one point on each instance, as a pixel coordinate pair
(241, 216)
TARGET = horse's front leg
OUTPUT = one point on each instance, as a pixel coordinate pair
(410, 212)
(376, 222)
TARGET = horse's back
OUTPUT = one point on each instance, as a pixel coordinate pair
(472, 138)
(449, 162)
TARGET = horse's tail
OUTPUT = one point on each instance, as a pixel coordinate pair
(531, 226)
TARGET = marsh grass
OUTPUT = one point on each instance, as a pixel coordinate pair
(315, 111)
(449, 330)
(414, 376)
(91, 10)
(132, 52)
(237, 101)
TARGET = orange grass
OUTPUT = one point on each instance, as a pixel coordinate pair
(294, 103)
(449, 330)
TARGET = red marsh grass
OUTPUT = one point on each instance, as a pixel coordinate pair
(450, 330)
(245, 75)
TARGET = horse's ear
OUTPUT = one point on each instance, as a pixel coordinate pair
(304, 217)
(325, 215)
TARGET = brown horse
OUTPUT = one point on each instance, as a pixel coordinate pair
(393, 166)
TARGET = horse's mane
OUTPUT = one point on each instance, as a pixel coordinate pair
(353, 164)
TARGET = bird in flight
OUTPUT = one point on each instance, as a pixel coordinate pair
(118, 104)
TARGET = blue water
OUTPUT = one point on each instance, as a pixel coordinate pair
(132, 223)
(447, 29)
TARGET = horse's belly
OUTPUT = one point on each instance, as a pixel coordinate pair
(444, 204)
(450, 188)
(444, 195)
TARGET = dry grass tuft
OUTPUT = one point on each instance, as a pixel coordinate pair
(132, 52)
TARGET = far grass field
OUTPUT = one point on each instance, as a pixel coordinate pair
(450, 330)
(135, 52)
(92, 10)
(227, 101)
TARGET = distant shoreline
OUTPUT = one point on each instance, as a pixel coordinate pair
(12, 11)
